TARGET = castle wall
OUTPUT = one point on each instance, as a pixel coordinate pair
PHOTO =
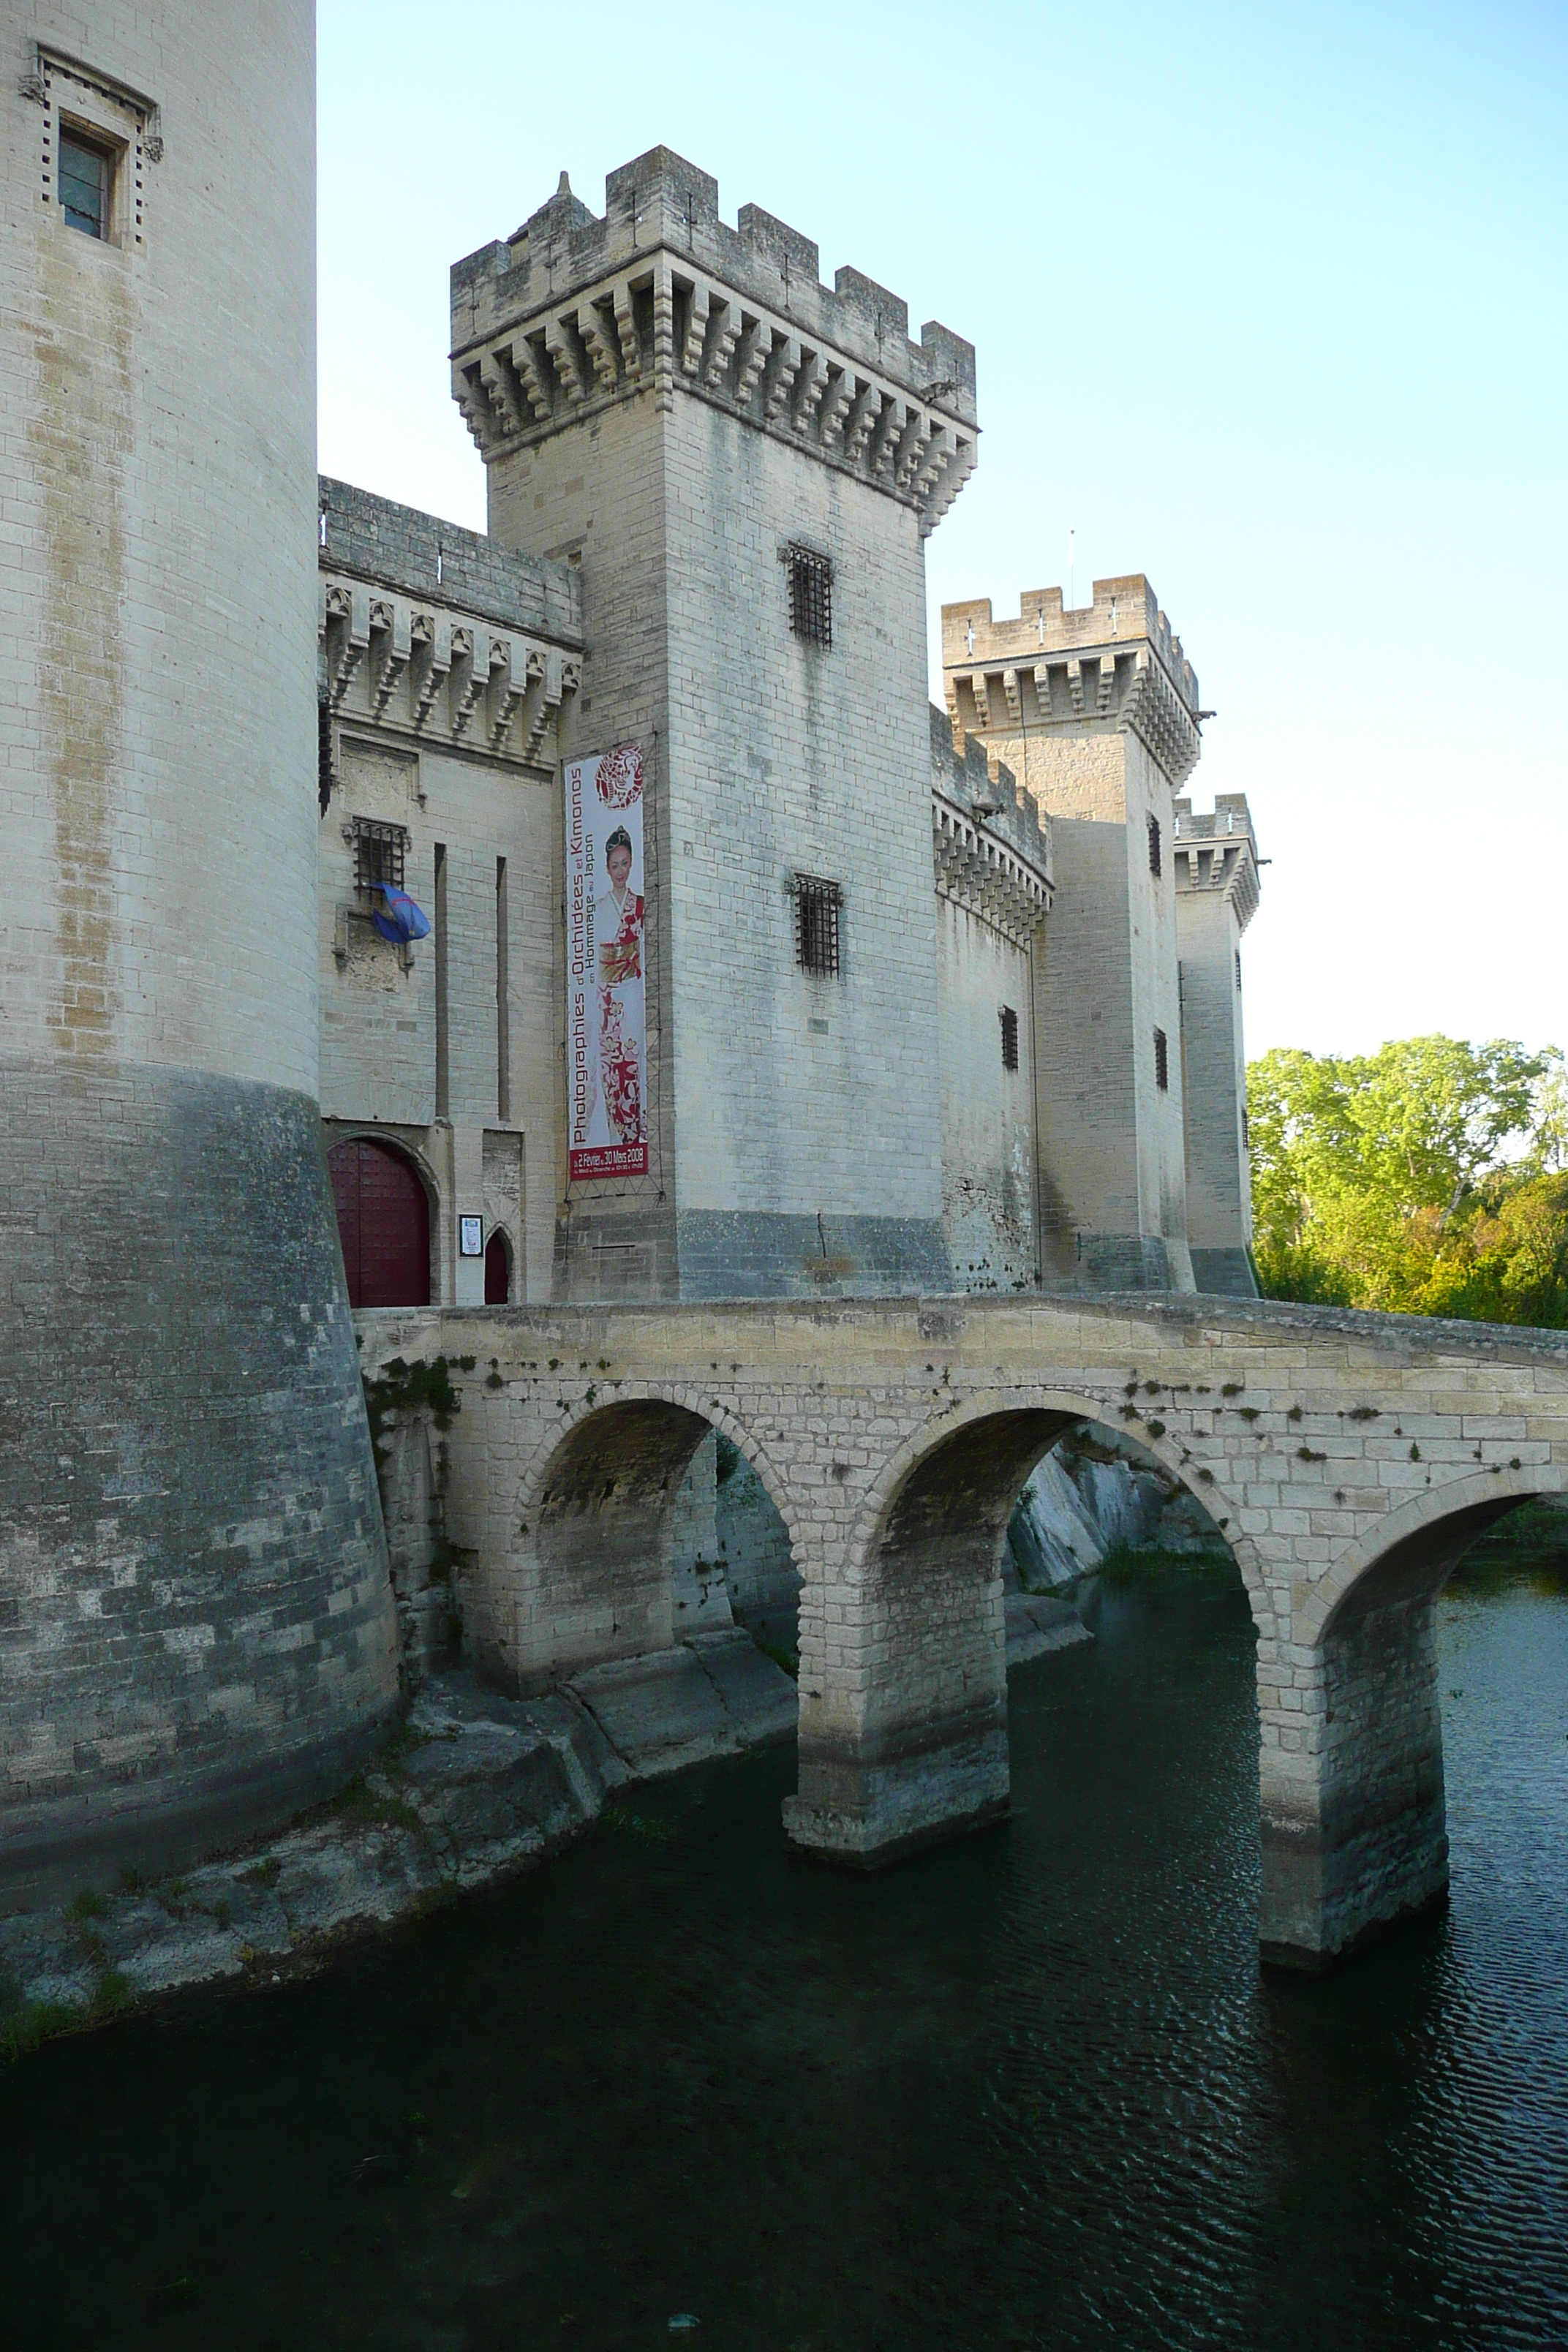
(987, 1110)
(197, 1621)
(1215, 893)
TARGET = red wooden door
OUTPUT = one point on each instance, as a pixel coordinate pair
(498, 1271)
(383, 1221)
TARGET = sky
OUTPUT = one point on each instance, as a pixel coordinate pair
(1270, 303)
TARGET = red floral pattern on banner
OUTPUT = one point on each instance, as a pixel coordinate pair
(619, 781)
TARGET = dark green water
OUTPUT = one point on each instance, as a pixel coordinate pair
(1030, 2091)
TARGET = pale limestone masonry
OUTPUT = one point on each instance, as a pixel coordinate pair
(1096, 712)
(673, 404)
(1217, 898)
(993, 891)
(196, 1623)
(449, 666)
(1348, 1458)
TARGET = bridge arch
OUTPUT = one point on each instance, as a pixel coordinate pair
(1354, 1820)
(1416, 1548)
(595, 1504)
(904, 1725)
(1056, 1411)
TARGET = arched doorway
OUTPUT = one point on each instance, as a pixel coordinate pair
(384, 1223)
(498, 1271)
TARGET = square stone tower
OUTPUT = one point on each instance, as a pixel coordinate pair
(745, 466)
(1095, 710)
(1217, 898)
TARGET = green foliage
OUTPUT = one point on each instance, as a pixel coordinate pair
(1429, 1178)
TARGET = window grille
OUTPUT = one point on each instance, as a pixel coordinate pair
(1009, 1038)
(817, 908)
(379, 852)
(1153, 844)
(811, 597)
(1161, 1062)
(85, 180)
(1246, 1129)
(1238, 967)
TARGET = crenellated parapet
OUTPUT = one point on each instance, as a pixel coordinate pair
(1114, 666)
(572, 313)
(434, 633)
(1218, 852)
(992, 852)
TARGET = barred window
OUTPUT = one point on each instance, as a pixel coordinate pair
(1161, 1062)
(1238, 967)
(817, 908)
(379, 852)
(1246, 1129)
(811, 597)
(1153, 844)
(1009, 1037)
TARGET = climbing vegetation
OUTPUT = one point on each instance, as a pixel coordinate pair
(1429, 1178)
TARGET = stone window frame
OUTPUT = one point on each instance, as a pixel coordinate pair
(121, 123)
(380, 853)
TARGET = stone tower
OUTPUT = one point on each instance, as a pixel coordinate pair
(1217, 898)
(1095, 710)
(746, 464)
(196, 1622)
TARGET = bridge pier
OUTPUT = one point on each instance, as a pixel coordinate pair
(1353, 1819)
(903, 1667)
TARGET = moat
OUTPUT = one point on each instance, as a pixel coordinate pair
(1030, 2090)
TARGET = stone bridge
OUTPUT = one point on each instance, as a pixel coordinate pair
(1348, 1460)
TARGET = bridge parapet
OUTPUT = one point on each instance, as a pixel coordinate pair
(1347, 1460)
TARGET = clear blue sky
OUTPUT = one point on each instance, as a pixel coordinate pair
(1268, 303)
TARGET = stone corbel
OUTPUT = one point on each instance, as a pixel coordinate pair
(863, 416)
(810, 385)
(392, 653)
(543, 701)
(431, 663)
(696, 330)
(723, 337)
(558, 343)
(784, 366)
(470, 675)
(348, 636)
(603, 347)
(755, 347)
(626, 331)
(837, 400)
(507, 689)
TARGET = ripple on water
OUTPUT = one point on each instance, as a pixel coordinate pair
(1030, 2091)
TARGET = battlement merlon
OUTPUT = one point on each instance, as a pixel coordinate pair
(1124, 611)
(572, 311)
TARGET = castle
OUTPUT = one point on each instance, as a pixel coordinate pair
(748, 974)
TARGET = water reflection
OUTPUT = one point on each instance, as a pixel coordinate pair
(1030, 2091)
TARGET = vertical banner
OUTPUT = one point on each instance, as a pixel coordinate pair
(606, 1034)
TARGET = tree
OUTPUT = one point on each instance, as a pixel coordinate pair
(1426, 1178)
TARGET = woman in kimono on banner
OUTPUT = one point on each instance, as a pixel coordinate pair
(618, 935)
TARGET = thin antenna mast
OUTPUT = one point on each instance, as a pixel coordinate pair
(1072, 565)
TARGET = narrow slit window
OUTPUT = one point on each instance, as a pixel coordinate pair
(818, 906)
(324, 776)
(1009, 1037)
(86, 182)
(811, 597)
(1161, 1062)
(1153, 844)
